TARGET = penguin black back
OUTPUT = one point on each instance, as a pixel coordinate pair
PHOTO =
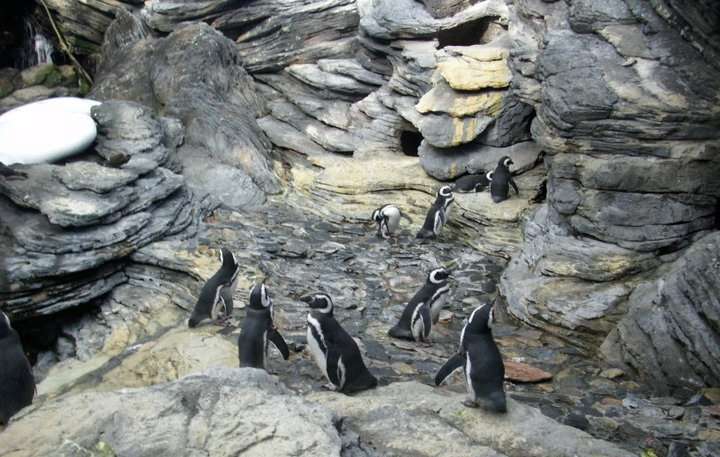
(472, 182)
(211, 294)
(437, 214)
(482, 361)
(17, 385)
(258, 330)
(501, 180)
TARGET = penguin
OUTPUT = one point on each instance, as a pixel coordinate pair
(437, 214)
(212, 302)
(472, 183)
(9, 173)
(258, 329)
(387, 219)
(334, 350)
(479, 356)
(423, 309)
(17, 385)
(501, 179)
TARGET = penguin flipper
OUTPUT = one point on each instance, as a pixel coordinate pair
(450, 366)
(276, 338)
(401, 333)
(332, 360)
(514, 186)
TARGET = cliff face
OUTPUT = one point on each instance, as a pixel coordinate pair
(621, 96)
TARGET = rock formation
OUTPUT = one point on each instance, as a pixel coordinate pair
(36, 83)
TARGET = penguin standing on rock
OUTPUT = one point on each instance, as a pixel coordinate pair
(334, 350)
(437, 214)
(501, 179)
(387, 219)
(472, 183)
(213, 299)
(17, 385)
(479, 356)
(423, 309)
(258, 329)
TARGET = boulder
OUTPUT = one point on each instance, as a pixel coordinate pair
(223, 411)
(670, 332)
(195, 74)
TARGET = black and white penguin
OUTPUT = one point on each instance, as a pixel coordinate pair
(9, 173)
(334, 350)
(472, 183)
(479, 356)
(437, 214)
(501, 179)
(387, 219)
(423, 309)
(212, 303)
(17, 385)
(258, 329)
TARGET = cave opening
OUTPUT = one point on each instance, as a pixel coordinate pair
(479, 31)
(410, 142)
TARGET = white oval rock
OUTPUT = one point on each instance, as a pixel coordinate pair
(47, 130)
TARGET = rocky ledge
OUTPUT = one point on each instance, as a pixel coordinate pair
(227, 411)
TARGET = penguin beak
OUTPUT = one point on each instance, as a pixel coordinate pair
(307, 299)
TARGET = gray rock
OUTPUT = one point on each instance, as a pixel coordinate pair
(200, 412)
(353, 69)
(669, 332)
(285, 136)
(94, 177)
(218, 112)
(447, 164)
(315, 76)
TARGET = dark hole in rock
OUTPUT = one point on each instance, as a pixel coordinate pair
(410, 142)
(479, 31)
(239, 30)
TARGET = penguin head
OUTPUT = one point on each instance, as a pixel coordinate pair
(321, 303)
(438, 276)
(445, 195)
(259, 297)
(506, 161)
(480, 320)
(376, 215)
(489, 175)
(227, 258)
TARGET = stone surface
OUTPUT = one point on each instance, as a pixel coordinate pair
(670, 332)
(218, 109)
(522, 372)
(200, 413)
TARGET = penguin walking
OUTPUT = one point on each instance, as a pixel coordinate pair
(213, 300)
(501, 179)
(17, 385)
(423, 309)
(258, 330)
(472, 182)
(437, 214)
(387, 219)
(479, 356)
(334, 350)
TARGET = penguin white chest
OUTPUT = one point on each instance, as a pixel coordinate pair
(314, 345)
(468, 379)
(393, 218)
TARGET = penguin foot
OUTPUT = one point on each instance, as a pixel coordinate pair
(329, 386)
(470, 403)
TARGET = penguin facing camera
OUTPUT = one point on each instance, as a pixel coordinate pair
(437, 214)
(423, 309)
(476, 182)
(17, 385)
(258, 330)
(501, 179)
(335, 352)
(215, 299)
(387, 218)
(479, 356)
